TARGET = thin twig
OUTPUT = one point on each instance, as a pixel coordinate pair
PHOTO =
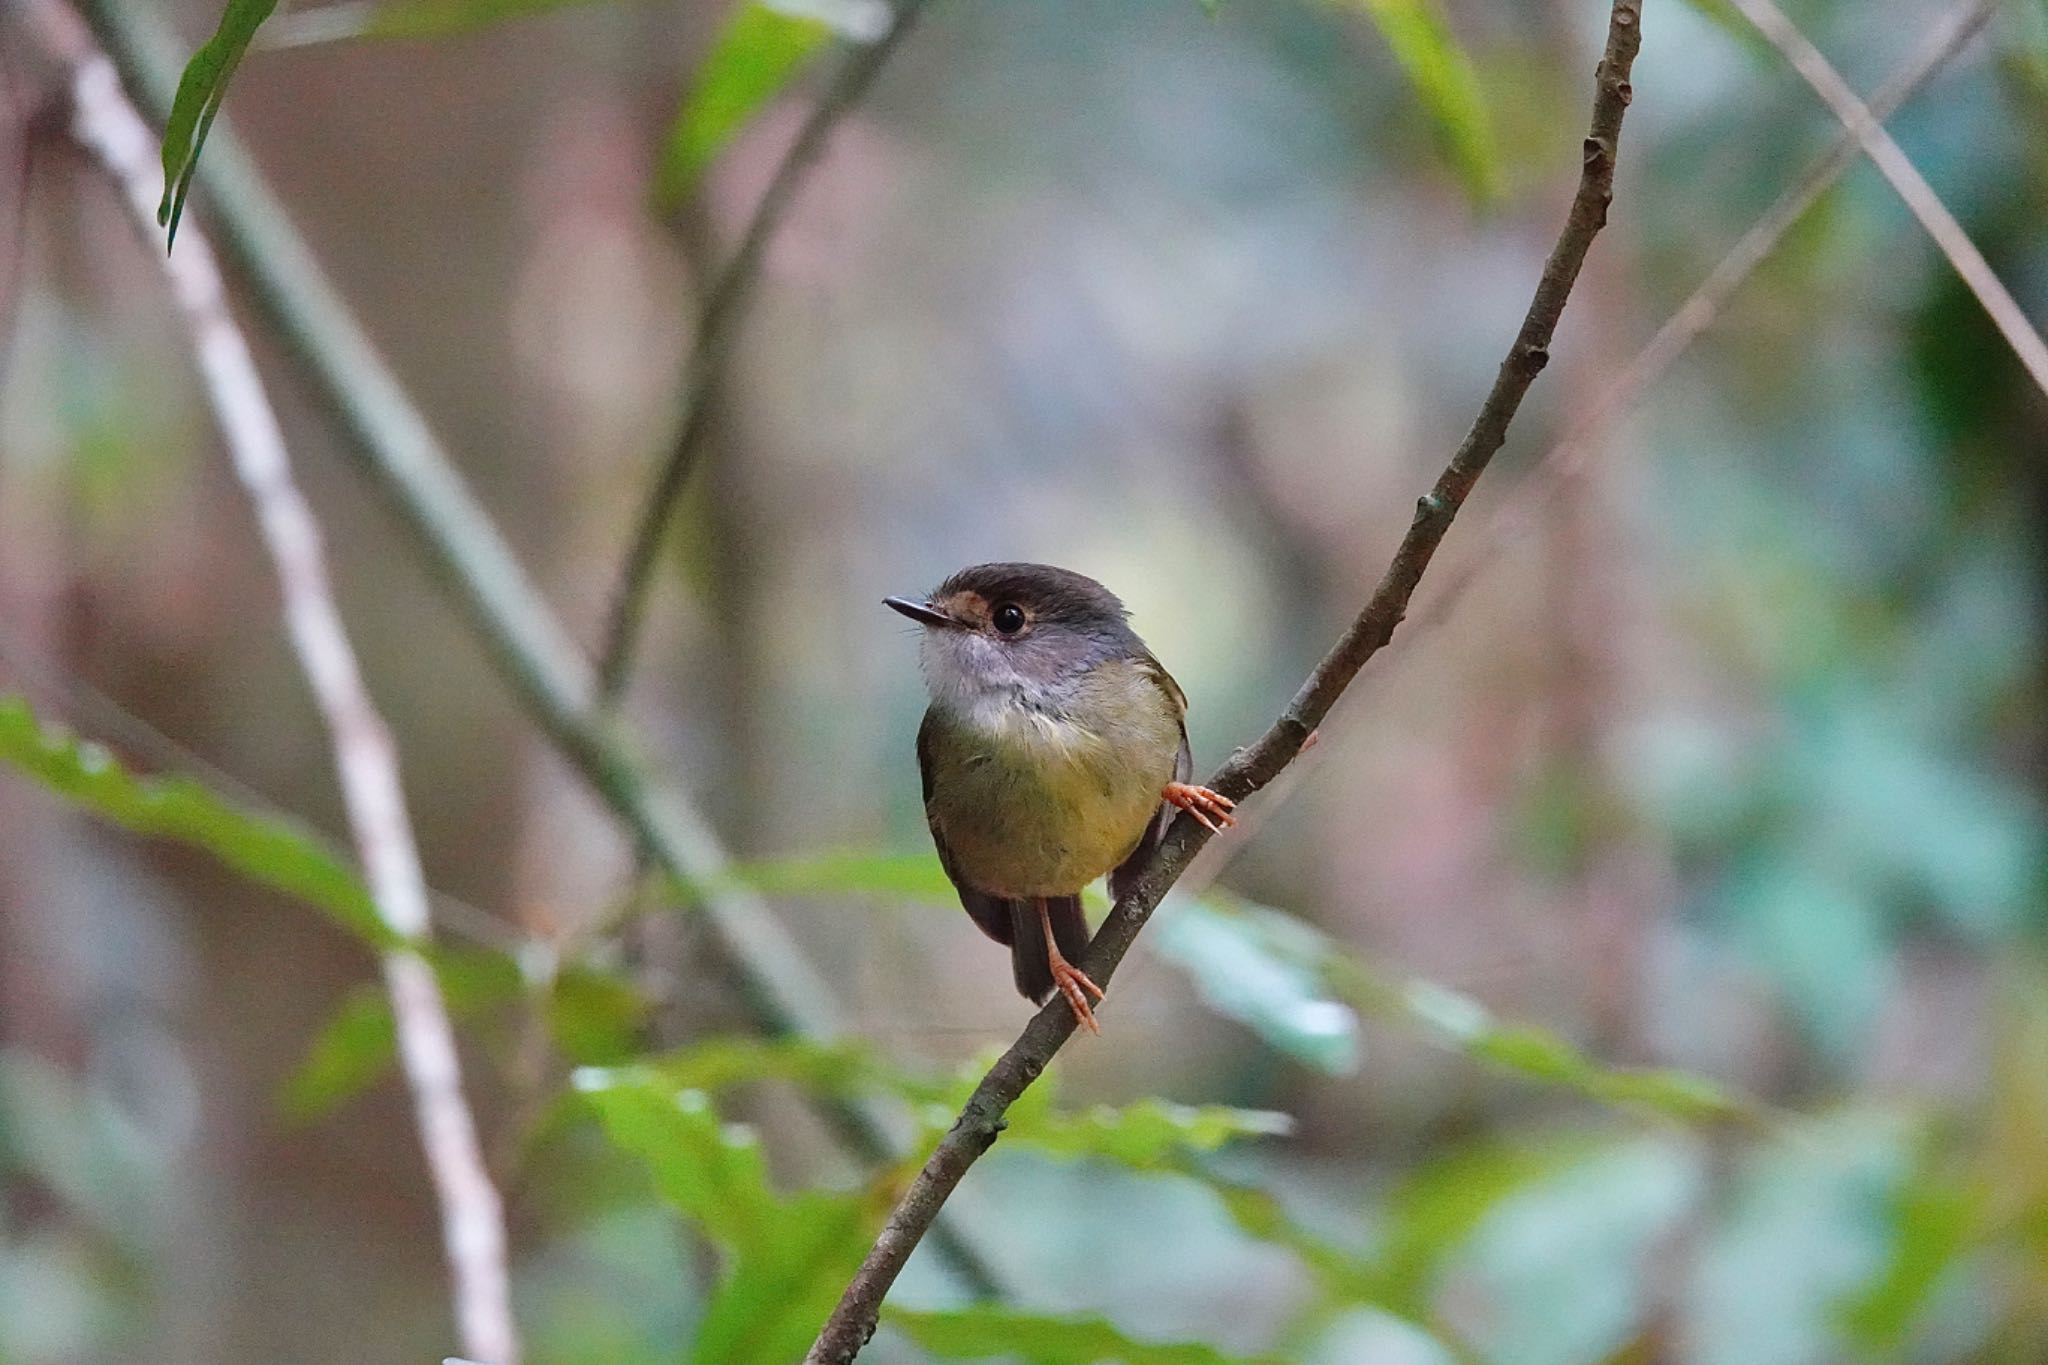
(853, 1321)
(1582, 439)
(400, 454)
(1912, 187)
(366, 760)
(717, 326)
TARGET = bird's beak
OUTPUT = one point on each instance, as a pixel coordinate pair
(924, 613)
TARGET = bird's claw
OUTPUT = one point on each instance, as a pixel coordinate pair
(1206, 806)
(1073, 983)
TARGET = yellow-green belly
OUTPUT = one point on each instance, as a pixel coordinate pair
(1033, 805)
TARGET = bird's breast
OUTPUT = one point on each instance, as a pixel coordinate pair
(1033, 801)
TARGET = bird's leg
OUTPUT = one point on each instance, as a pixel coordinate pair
(1206, 806)
(1073, 983)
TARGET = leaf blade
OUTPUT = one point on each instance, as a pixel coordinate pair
(263, 849)
(1437, 66)
(759, 52)
(201, 89)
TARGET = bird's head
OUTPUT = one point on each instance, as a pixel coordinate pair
(1015, 633)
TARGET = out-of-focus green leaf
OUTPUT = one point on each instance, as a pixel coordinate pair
(265, 850)
(1800, 1227)
(595, 1018)
(1724, 16)
(1563, 1262)
(830, 1068)
(1935, 1220)
(358, 1044)
(913, 876)
(352, 1050)
(1264, 969)
(760, 50)
(1431, 1214)
(1456, 1020)
(985, 1331)
(439, 18)
(200, 92)
(1442, 75)
(907, 876)
(1344, 1276)
(787, 1257)
(1147, 1135)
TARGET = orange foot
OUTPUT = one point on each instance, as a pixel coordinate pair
(1074, 984)
(1206, 806)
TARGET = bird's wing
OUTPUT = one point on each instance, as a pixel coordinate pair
(1126, 874)
(990, 913)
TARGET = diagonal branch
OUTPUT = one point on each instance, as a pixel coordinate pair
(853, 1321)
(366, 760)
(403, 457)
(1912, 187)
(717, 326)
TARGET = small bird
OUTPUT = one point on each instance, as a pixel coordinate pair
(1053, 752)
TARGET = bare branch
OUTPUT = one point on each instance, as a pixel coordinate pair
(366, 760)
(717, 326)
(401, 455)
(1912, 187)
(853, 1321)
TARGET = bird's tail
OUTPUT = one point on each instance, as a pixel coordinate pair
(1028, 958)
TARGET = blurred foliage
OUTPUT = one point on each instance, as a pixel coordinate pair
(982, 1333)
(265, 850)
(1820, 727)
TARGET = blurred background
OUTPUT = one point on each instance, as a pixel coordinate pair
(1647, 965)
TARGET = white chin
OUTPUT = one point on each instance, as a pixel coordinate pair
(964, 672)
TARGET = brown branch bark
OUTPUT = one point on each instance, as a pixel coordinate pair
(1249, 769)
(717, 326)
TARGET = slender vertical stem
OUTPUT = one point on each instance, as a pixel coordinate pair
(365, 757)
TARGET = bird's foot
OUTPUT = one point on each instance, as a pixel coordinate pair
(1206, 806)
(1073, 983)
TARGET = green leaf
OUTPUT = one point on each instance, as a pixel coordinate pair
(596, 1018)
(441, 18)
(359, 1042)
(1428, 52)
(832, 1068)
(1432, 1213)
(898, 876)
(1457, 1021)
(911, 876)
(268, 851)
(1264, 969)
(758, 53)
(986, 1331)
(1148, 1135)
(1935, 1221)
(1723, 15)
(350, 1054)
(200, 92)
(787, 1257)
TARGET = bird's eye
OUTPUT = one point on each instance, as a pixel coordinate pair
(1008, 619)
